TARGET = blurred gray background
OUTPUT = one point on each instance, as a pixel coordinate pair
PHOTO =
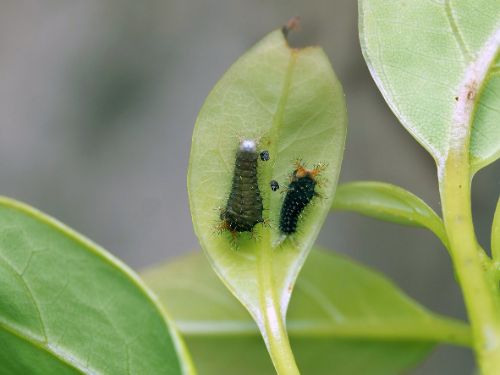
(98, 99)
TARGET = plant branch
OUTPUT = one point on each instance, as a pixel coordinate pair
(455, 175)
(479, 297)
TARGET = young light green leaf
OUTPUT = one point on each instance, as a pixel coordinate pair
(342, 315)
(435, 62)
(68, 307)
(290, 102)
(389, 203)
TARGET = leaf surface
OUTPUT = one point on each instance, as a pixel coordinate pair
(290, 102)
(437, 65)
(388, 202)
(342, 316)
(68, 307)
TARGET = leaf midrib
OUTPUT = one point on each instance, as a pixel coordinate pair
(272, 312)
(433, 330)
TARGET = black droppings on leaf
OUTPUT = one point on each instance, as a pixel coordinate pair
(264, 155)
(274, 185)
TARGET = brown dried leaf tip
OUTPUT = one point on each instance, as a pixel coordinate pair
(293, 24)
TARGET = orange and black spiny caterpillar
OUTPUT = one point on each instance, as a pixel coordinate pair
(244, 205)
(300, 191)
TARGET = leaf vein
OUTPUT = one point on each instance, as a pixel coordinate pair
(457, 34)
(29, 293)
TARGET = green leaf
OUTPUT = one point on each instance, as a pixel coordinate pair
(495, 250)
(495, 235)
(342, 316)
(389, 203)
(438, 67)
(291, 103)
(68, 307)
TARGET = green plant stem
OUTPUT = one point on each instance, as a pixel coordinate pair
(480, 299)
(276, 336)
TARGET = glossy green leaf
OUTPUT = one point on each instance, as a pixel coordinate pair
(68, 307)
(438, 67)
(290, 102)
(342, 316)
(389, 203)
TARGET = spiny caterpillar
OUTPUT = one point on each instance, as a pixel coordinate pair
(244, 205)
(299, 193)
